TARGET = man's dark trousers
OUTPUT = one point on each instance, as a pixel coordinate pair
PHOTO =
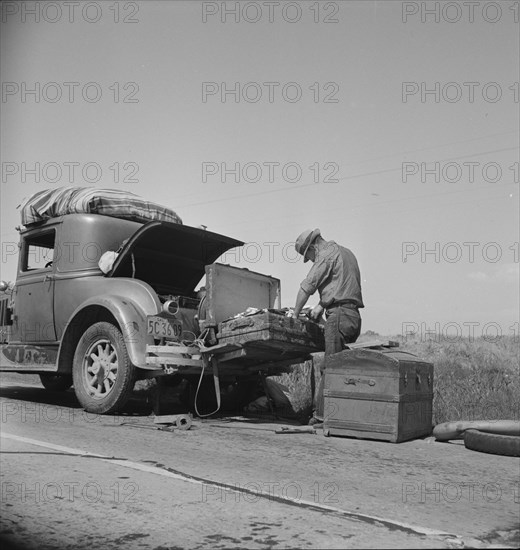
(342, 326)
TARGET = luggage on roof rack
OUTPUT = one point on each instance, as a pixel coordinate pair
(52, 203)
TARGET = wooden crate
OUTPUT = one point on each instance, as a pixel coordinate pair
(385, 395)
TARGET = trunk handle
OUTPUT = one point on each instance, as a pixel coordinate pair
(354, 381)
(241, 323)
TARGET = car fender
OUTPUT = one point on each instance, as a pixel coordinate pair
(129, 315)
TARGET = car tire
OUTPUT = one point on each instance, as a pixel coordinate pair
(56, 382)
(102, 372)
(506, 445)
(456, 429)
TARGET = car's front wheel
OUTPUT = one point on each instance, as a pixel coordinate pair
(102, 372)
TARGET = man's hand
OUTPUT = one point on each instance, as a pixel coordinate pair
(316, 312)
(290, 313)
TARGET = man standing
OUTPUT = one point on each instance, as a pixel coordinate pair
(335, 274)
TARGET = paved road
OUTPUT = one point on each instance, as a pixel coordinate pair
(75, 480)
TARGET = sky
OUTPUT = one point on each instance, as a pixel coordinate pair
(393, 127)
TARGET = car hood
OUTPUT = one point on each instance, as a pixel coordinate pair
(170, 256)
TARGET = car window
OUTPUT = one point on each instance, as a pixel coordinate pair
(38, 251)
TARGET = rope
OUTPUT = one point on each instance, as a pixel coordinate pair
(217, 391)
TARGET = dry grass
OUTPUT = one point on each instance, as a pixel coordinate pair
(302, 382)
(474, 379)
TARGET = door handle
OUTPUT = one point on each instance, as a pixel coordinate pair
(48, 278)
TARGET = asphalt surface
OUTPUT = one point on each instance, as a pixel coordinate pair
(76, 480)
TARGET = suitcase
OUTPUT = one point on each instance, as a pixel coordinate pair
(273, 332)
(385, 394)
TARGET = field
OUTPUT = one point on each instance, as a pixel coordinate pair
(474, 379)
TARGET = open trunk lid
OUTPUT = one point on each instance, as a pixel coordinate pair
(170, 256)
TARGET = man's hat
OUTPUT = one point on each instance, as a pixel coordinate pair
(304, 241)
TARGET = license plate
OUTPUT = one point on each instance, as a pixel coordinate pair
(159, 327)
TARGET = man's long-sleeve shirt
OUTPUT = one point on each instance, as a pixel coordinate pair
(335, 274)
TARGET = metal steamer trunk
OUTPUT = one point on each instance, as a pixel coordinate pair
(383, 394)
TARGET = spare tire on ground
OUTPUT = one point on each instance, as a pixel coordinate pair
(498, 444)
(456, 429)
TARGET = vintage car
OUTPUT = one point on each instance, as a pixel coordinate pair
(71, 323)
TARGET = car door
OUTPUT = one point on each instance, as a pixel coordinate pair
(35, 288)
